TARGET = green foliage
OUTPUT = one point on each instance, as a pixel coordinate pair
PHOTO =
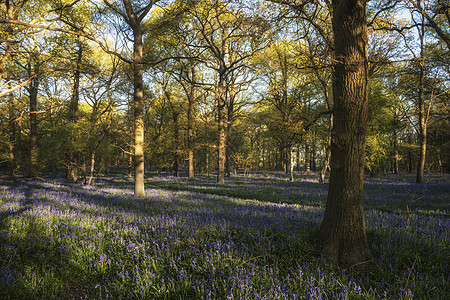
(277, 74)
(376, 150)
(379, 126)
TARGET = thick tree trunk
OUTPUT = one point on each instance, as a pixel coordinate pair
(342, 235)
(138, 101)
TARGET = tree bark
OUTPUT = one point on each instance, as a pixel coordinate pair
(326, 162)
(313, 151)
(421, 111)
(134, 16)
(395, 145)
(130, 160)
(190, 121)
(222, 138)
(291, 163)
(33, 89)
(230, 118)
(176, 157)
(72, 164)
(12, 136)
(138, 102)
(12, 15)
(11, 102)
(307, 157)
(342, 234)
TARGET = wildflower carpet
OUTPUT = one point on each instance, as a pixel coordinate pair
(251, 238)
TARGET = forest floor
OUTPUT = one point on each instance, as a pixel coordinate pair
(251, 238)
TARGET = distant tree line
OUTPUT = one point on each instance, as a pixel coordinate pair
(216, 85)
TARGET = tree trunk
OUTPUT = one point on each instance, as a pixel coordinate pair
(326, 162)
(190, 121)
(230, 117)
(395, 146)
(307, 157)
(287, 159)
(342, 234)
(130, 161)
(207, 160)
(313, 152)
(12, 136)
(421, 111)
(92, 169)
(191, 162)
(291, 163)
(221, 104)
(138, 102)
(176, 132)
(83, 169)
(134, 16)
(176, 157)
(11, 105)
(10, 14)
(105, 130)
(72, 164)
(410, 155)
(33, 171)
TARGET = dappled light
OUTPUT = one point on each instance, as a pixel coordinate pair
(188, 239)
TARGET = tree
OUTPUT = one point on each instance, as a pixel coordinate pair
(229, 37)
(190, 88)
(12, 136)
(33, 67)
(10, 12)
(437, 16)
(100, 94)
(342, 236)
(133, 15)
(177, 40)
(423, 115)
(419, 74)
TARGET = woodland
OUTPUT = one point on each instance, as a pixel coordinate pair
(207, 149)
